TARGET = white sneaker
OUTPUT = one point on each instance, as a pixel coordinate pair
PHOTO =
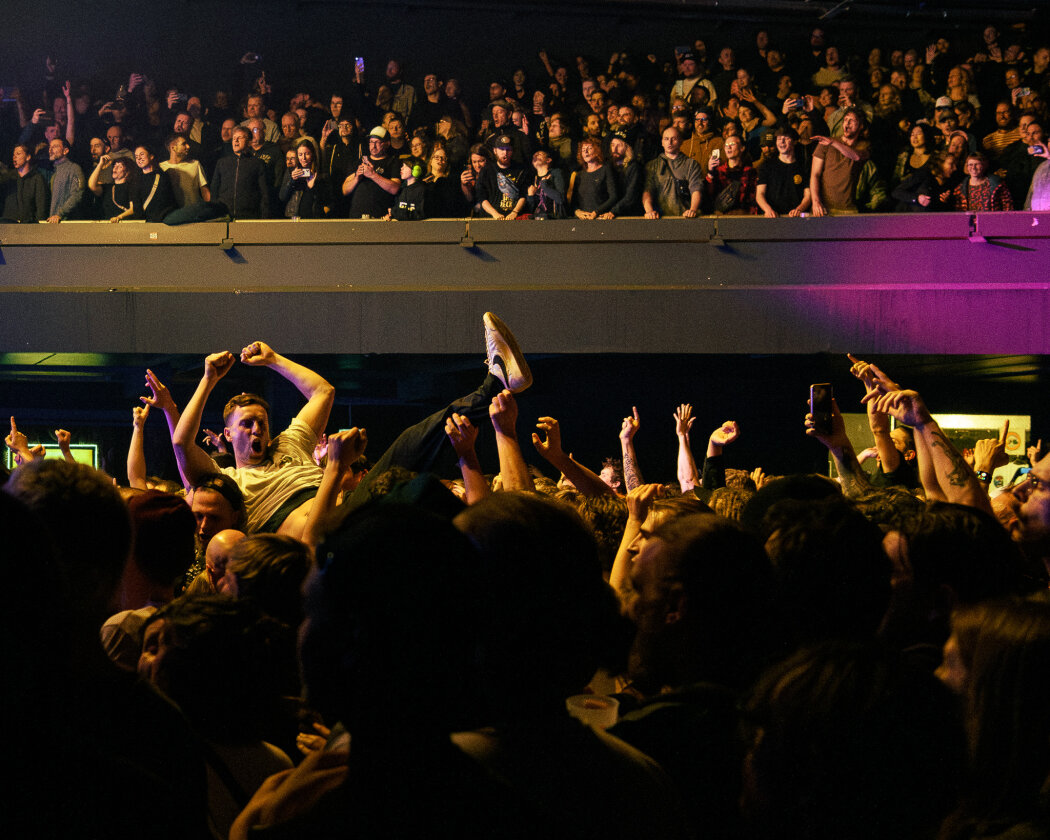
(504, 357)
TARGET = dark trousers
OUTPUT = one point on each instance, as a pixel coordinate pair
(419, 447)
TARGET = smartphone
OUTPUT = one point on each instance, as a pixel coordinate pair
(359, 64)
(1036, 150)
(308, 174)
(716, 154)
(820, 396)
(797, 104)
(1024, 91)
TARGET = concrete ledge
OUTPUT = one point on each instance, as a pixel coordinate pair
(949, 283)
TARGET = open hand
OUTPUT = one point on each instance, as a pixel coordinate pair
(462, 434)
(550, 448)
(683, 419)
(725, 434)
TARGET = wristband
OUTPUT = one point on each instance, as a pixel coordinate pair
(984, 477)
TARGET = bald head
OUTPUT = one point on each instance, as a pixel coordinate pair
(218, 553)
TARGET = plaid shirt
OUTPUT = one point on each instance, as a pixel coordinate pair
(987, 196)
(745, 175)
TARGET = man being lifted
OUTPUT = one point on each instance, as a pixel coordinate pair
(277, 476)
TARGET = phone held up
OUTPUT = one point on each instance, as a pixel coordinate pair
(820, 396)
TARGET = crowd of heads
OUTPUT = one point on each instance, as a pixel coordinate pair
(792, 656)
(932, 121)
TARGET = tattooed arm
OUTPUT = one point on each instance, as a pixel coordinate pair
(954, 476)
(854, 479)
(632, 476)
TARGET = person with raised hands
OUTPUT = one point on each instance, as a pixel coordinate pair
(277, 476)
(639, 502)
(343, 449)
(632, 476)
(463, 434)
(160, 399)
(688, 477)
(894, 449)
(514, 472)
(18, 443)
(989, 454)
(956, 479)
(876, 382)
(714, 474)
(64, 439)
(588, 482)
(853, 479)
(137, 448)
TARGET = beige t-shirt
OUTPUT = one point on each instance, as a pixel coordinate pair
(187, 178)
(289, 469)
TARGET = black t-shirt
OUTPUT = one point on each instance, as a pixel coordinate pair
(409, 203)
(785, 184)
(116, 198)
(154, 198)
(503, 187)
(906, 475)
(368, 198)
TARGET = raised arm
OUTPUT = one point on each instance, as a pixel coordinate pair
(64, 438)
(463, 434)
(193, 460)
(874, 381)
(632, 476)
(503, 412)
(877, 384)
(639, 500)
(319, 394)
(714, 468)
(137, 449)
(587, 482)
(18, 443)
(989, 454)
(343, 449)
(160, 399)
(854, 479)
(955, 477)
(93, 184)
(688, 477)
(843, 148)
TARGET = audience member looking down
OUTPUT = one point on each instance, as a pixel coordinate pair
(868, 120)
